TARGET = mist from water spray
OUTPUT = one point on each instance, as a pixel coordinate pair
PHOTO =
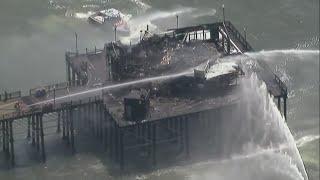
(268, 127)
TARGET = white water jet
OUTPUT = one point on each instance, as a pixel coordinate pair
(296, 52)
(262, 128)
(114, 86)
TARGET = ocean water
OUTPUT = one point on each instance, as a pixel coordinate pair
(35, 34)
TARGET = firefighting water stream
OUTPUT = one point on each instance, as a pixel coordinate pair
(97, 91)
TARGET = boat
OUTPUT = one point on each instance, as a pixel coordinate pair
(110, 16)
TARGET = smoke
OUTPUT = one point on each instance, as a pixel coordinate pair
(138, 23)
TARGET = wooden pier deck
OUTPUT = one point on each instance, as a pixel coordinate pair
(83, 103)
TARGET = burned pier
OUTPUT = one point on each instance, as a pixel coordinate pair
(137, 109)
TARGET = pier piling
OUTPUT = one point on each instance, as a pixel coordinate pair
(58, 123)
(71, 131)
(12, 156)
(33, 130)
(3, 136)
(154, 144)
(37, 133)
(29, 123)
(43, 152)
(63, 124)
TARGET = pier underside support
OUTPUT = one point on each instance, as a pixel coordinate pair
(285, 107)
(154, 144)
(43, 152)
(71, 126)
(12, 156)
(63, 124)
(8, 141)
(284, 97)
(33, 130)
(59, 122)
(3, 131)
(186, 130)
(73, 78)
(38, 132)
(121, 148)
(29, 123)
(279, 103)
(67, 129)
(68, 68)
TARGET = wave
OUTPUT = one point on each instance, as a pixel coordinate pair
(312, 42)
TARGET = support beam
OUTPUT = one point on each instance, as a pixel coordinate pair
(29, 124)
(58, 124)
(72, 131)
(12, 156)
(154, 145)
(7, 138)
(102, 123)
(285, 107)
(67, 127)
(279, 103)
(111, 139)
(121, 149)
(43, 152)
(33, 130)
(228, 45)
(37, 133)
(68, 68)
(116, 142)
(181, 127)
(3, 136)
(80, 118)
(104, 131)
(149, 133)
(63, 125)
(73, 78)
(187, 136)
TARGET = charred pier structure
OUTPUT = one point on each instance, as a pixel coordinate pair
(137, 121)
